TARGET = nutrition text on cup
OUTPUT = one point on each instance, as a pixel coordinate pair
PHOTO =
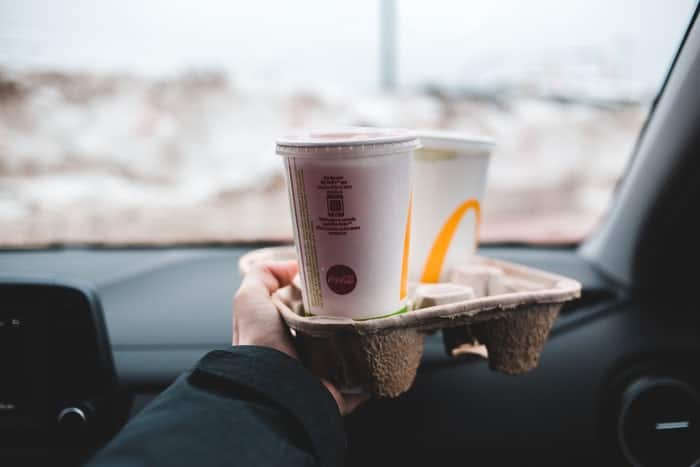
(336, 222)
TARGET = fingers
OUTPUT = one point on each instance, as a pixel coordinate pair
(353, 401)
(269, 276)
(346, 402)
(284, 271)
(256, 321)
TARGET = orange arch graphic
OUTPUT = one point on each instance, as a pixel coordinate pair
(436, 257)
(406, 250)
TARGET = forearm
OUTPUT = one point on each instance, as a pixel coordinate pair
(243, 406)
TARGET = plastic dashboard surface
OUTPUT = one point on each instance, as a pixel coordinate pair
(165, 308)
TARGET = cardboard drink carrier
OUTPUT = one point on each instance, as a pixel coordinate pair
(507, 321)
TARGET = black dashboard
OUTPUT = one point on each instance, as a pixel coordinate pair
(164, 308)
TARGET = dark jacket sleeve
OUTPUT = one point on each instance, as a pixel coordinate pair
(247, 406)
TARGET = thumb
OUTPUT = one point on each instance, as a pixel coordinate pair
(252, 301)
(269, 276)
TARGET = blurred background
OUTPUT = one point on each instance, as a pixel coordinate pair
(153, 122)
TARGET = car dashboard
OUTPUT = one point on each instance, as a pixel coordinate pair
(103, 331)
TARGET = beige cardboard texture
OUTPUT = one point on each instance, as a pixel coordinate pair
(381, 356)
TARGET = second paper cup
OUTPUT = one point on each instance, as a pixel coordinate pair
(449, 181)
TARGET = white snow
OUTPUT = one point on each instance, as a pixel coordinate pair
(85, 154)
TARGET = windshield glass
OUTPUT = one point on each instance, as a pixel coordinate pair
(154, 122)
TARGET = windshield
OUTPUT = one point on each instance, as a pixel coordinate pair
(154, 122)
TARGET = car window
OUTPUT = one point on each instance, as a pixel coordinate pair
(154, 122)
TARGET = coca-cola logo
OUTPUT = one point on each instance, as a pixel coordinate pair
(341, 279)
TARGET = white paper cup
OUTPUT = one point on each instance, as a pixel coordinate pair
(350, 197)
(448, 188)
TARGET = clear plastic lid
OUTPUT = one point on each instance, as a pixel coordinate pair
(348, 142)
(435, 139)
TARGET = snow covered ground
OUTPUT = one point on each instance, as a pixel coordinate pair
(117, 159)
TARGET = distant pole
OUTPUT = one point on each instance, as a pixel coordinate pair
(387, 44)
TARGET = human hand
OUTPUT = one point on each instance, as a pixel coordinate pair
(257, 322)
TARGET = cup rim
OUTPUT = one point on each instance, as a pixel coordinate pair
(438, 139)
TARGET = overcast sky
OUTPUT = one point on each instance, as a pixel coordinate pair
(337, 42)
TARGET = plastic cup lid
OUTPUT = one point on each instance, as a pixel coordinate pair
(348, 142)
(433, 139)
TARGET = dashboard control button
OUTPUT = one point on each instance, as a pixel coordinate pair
(73, 420)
